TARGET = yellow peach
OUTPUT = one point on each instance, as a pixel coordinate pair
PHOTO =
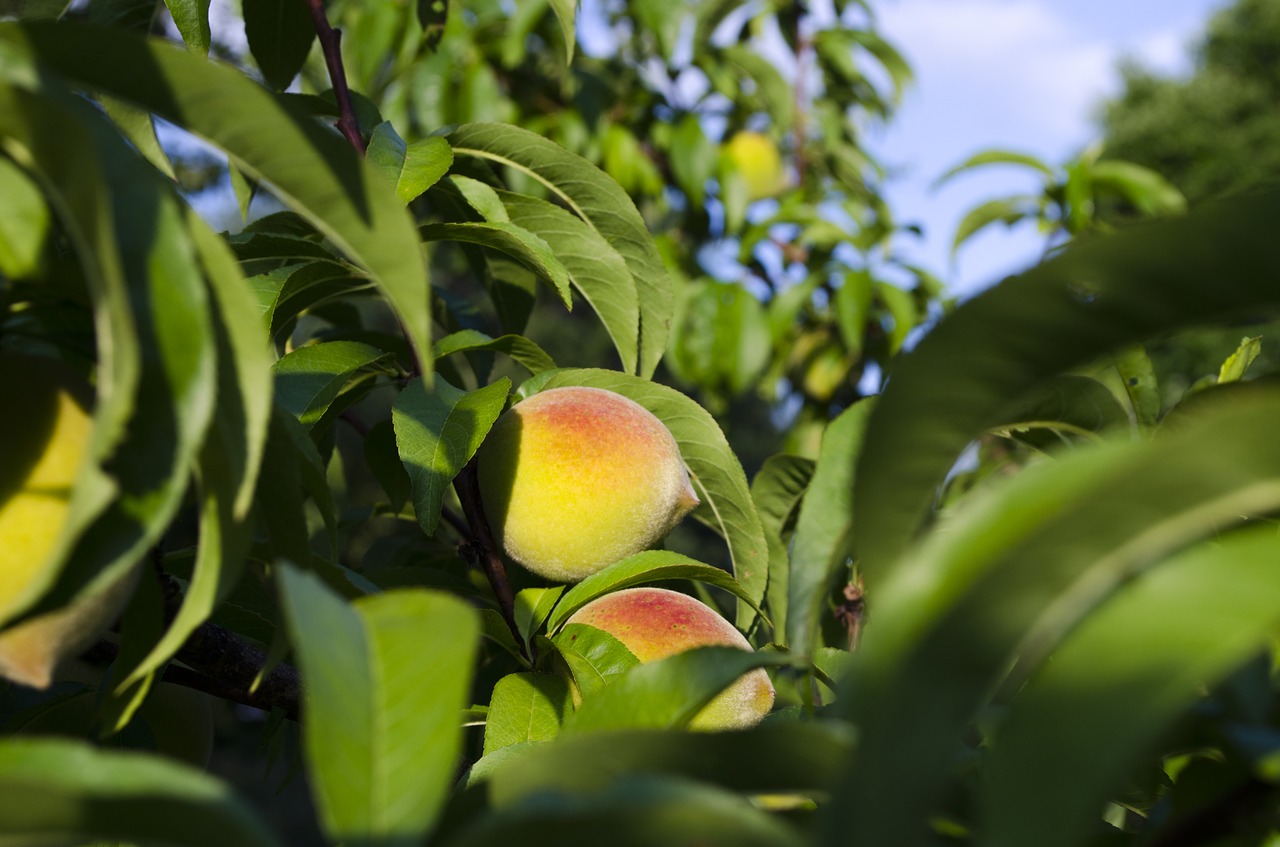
(574, 479)
(756, 158)
(654, 623)
(44, 438)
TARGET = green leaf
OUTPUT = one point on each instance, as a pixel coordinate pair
(1077, 405)
(566, 11)
(773, 758)
(481, 197)
(137, 126)
(822, 548)
(998, 157)
(438, 430)
(777, 490)
(901, 306)
(1120, 680)
(280, 35)
(386, 677)
(1144, 188)
(595, 198)
(1011, 570)
(229, 463)
(519, 348)
(641, 569)
(853, 311)
(595, 268)
(1233, 369)
(24, 222)
(310, 168)
(595, 658)
(310, 379)
(714, 468)
(1005, 210)
(516, 241)
(1139, 379)
(525, 707)
(722, 341)
(412, 168)
(191, 17)
(637, 812)
(52, 789)
(665, 693)
(1096, 297)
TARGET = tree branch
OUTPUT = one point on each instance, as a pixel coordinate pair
(486, 551)
(330, 45)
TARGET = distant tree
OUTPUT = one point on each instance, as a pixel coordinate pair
(1216, 132)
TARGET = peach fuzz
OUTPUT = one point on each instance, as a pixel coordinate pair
(574, 479)
(654, 623)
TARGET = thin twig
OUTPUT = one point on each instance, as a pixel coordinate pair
(330, 45)
(221, 664)
(486, 551)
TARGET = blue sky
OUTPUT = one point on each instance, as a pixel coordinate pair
(1018, 74)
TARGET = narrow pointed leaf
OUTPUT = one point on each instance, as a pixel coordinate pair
(516, 241)
(599, 201)
(1096, 297)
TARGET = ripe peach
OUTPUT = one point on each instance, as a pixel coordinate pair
(654, 623)
(574, 479)
(44, 438)
(756, 158)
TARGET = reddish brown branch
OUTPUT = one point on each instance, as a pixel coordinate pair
(330, 45)
(486, 551)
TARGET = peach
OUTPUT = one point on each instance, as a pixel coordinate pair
(45, 437)
(575, 479)
(654, 623)
(756, 158)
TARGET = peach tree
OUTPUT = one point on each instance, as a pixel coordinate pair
(1068, 578)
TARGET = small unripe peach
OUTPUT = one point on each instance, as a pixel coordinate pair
(654, 623)
(575, 479)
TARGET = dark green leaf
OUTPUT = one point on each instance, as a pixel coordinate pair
(777, 490)
(665, 693)
(309, 379)
(596, 199)
(515, 241)
(822, 548)
(309, 167)
(773, 758)
(595, 268)
(519, 348)
(438, 430)
(280, 34)
(566, 11)
(54, 789)
(636, 812)
(1098, 296)
(641, 569)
